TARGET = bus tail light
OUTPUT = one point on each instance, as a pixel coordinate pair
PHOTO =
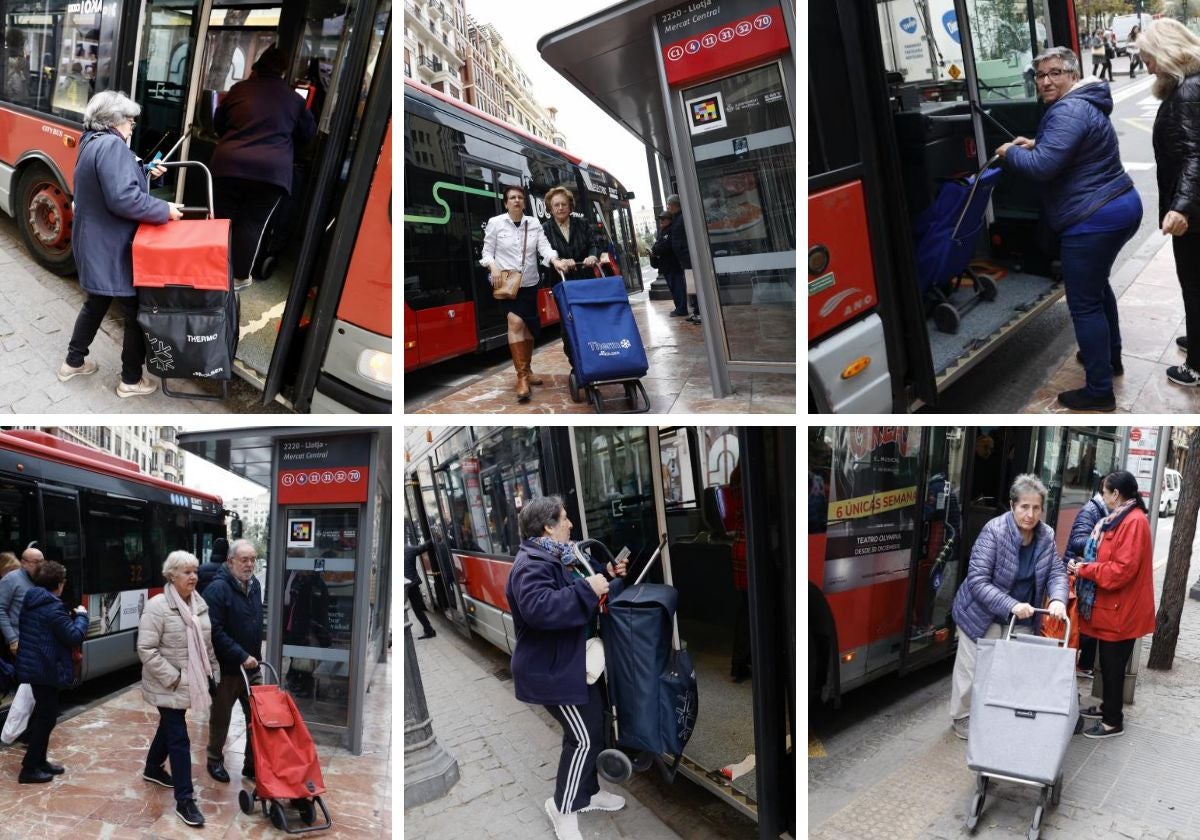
(376, 365)
(856, 367)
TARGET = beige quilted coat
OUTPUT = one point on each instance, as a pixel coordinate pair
(162, 647)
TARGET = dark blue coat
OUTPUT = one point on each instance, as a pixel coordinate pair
(679, 242)
(1085, 521)
(552, 610)
(984, 595)
(236, 617)
(260, 122)
(49, 632)
(111, 199)
(1077, 156)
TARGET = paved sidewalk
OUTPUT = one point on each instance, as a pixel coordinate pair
(910, 779)
(508, 758)
(678, 381)
(1151, 313)
(37, 314)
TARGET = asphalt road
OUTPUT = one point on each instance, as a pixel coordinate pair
(1008, 378)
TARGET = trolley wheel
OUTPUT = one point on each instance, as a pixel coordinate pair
(985, 287)
(277, 818)
(308, 811)
(573, 386)
(245, 801)
(643, 761)
(1035, 827)
(976, 810)
(946, 318)
(1056, 791)
(614, 766)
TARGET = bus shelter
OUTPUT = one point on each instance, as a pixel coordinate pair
(327, 587)
(708, 89)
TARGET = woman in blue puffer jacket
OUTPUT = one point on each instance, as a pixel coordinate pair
(1089, 201)
(49, 632)
(1014, 566)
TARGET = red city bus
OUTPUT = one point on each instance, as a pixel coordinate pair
(315, 326)
(904, 95)
(457, 162)
(108, 523)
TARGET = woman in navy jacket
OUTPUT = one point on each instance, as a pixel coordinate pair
(1089, 201)
(554, 605)
(112, 197)
(1014, 568)
(49, 632)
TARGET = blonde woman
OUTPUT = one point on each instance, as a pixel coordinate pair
(174, 642)
(1172, 53)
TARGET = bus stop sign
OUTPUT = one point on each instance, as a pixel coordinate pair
(705, 37)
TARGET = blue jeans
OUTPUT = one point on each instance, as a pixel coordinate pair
(171, 740)
(1087, 260)
(678, 286)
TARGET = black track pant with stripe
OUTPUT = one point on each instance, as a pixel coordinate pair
(583, 739)
(249, 206)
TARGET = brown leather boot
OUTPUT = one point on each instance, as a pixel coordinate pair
(520, 357)
(533, 380)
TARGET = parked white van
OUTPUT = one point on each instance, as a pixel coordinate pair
(1168, 502)
(1121, 26)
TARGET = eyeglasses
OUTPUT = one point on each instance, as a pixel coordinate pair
(1056, 74)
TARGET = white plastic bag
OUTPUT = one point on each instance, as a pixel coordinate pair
(593, 657)
(18, 714)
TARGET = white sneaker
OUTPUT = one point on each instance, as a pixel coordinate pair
(65, 371)
(962, 727)
(140, 389)
(605, 801)
(566, 826)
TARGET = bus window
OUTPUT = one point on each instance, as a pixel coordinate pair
(510, 471)
(679, 483)
(17, 516)
(720, 454)
(236, 38)
(616, 487)
(467, 520)
(60, 530)
(833, 135)
(169, 531)
(1004, 49)
(433, 275)
(116, 546)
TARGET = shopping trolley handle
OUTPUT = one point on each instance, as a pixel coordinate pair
(1066, 640)
(262, 663)
(211, 209)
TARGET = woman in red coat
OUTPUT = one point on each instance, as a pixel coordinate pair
(1122, 575)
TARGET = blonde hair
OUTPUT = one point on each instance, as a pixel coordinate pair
(1175, 50)
(8, 563)
(556, 190)
(176, 562)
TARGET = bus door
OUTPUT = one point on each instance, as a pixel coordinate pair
(62, 537)
(438, 579)
(998, 455)
(940, 564)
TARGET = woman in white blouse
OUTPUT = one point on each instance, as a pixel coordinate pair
(514, 241)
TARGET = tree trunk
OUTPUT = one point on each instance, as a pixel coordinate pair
(1166, 623)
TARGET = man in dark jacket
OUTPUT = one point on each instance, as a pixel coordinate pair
(679, 244)
(662, 257)
(235, 609)
(50, 632)
(260, 123)
(412, 588)
(216, 561)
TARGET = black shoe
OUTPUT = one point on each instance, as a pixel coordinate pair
(1081, 400)
(695, 319)
(1091, 713)
(1181, 342)
(248, 772)
(159, 776)
(34, 777)
(217, 770)
(187, 811)
(52, 768)
(428, 635)
(675, 314)
(1101, 731)
(1118, 368)
(1183, 375)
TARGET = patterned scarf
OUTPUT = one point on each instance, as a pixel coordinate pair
(1085, 589)
(563, 551)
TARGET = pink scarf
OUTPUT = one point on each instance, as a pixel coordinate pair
(199, 670)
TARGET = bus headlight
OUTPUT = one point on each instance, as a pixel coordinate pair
(376, 366)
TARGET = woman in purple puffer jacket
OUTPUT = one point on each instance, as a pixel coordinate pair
(1014, 566)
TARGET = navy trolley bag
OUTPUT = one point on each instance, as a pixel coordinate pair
(946, 234)
(601, 340)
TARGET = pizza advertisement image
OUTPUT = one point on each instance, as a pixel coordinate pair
(733, 208)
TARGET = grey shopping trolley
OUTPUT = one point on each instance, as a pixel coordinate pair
(1024, 706)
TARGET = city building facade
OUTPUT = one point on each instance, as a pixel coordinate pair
(153, 448)
(435, 44)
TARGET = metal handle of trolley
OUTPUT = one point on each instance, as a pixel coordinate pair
(1066, 640)
(211, 209)
(261, 663)
(581, 555)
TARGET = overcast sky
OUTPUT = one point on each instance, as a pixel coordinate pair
(202, 475)
(590, 133)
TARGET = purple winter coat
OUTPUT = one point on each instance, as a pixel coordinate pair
(983, 597)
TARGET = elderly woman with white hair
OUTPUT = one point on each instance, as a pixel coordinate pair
(112, 197)
(1014, 568)
(174, 642)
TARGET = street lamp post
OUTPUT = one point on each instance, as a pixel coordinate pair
(429, 771)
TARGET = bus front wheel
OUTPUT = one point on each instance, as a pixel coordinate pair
(43, 210)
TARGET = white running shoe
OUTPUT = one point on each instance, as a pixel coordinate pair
(566, 826)
(605, 801)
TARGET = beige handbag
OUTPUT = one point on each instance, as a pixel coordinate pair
(510, 278)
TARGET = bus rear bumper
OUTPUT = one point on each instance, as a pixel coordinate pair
(868, 392)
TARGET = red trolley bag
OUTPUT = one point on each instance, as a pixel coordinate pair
(286, 768)
(187, 308)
